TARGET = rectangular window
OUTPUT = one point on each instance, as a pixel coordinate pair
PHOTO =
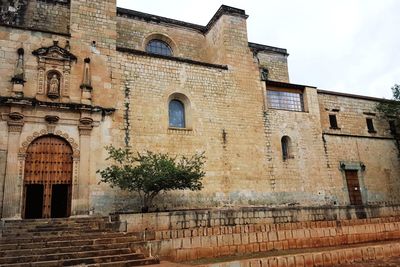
(285, 100)
(392, 125)
(370, 125)
(333, 121)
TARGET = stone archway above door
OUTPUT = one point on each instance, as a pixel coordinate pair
(35, 135)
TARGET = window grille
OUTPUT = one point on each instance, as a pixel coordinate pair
(159, 47)
(285, 100)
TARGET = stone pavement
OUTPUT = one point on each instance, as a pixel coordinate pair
(168, 264)
(393, 262)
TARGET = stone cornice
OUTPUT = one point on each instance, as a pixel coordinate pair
(266, 48)
(4, 100)
(35, 30)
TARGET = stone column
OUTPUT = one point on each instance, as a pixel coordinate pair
(81, 203)
(13, 183)
(3, 161)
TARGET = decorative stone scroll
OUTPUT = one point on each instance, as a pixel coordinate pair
(54, 69)
(15, 122)
(85, 126)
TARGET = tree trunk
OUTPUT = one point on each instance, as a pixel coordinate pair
(148, 201)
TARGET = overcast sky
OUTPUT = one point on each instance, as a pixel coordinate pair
(350, 46)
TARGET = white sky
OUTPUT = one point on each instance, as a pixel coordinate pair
(350, 46)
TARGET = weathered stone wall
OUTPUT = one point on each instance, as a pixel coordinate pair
(45, 15)
(186, 43)
(294, 180)
(190, 235)
(50, 15)
(277, 65)
(227, 115)
(200, 219)
(351, 114)
(353, 144)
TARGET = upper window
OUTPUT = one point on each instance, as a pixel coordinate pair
(370, 125)
(285, 100)
(286, 145)
(176, 114)
(159, 47)
(392, 125)
(333, 121)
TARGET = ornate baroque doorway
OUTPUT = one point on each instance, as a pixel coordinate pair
(48, 178)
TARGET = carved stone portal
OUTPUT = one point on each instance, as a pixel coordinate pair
(54, 71)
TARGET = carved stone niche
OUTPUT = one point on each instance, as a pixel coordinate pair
(54, 69)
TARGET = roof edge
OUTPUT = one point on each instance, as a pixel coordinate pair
(223, 10)
(371, 98)
(158, 19)
(261, 48)
(287, 85)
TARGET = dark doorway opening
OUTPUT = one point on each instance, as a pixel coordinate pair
(59, 200)
(34, 201)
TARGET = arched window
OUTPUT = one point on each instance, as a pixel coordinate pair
(159, 47)
(176, 114)
(286, 144)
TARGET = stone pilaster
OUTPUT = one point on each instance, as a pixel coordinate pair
(13, 179)
(81, 202)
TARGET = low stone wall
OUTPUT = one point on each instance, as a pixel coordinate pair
(336, 257)
(221, 241)
(176, 220)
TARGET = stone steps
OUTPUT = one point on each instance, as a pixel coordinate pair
(117, 261)
(69, 242)
(92, 238)
(54, 249)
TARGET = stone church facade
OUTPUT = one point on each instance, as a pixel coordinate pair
(78, 75)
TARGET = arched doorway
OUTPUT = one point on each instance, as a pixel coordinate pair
(48, 178)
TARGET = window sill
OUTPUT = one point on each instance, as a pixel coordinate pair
(174, 130)
(335, 128)
(289, 110)
(286, 159)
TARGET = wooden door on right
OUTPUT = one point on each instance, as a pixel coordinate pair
(353, 187)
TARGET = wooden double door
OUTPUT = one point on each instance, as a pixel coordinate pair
(48, 179)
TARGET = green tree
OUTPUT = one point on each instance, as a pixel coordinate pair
(391, 108)
(150, 173)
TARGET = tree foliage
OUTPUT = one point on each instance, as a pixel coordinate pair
(151, 173)
(391, 108)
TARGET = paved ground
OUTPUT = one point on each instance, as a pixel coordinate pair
(168, 264)
(393, 262)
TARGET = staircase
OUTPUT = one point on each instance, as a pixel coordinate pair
(70, 242)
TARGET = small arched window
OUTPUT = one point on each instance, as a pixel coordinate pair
(286, 144)
(176, 114)
(159, 47)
